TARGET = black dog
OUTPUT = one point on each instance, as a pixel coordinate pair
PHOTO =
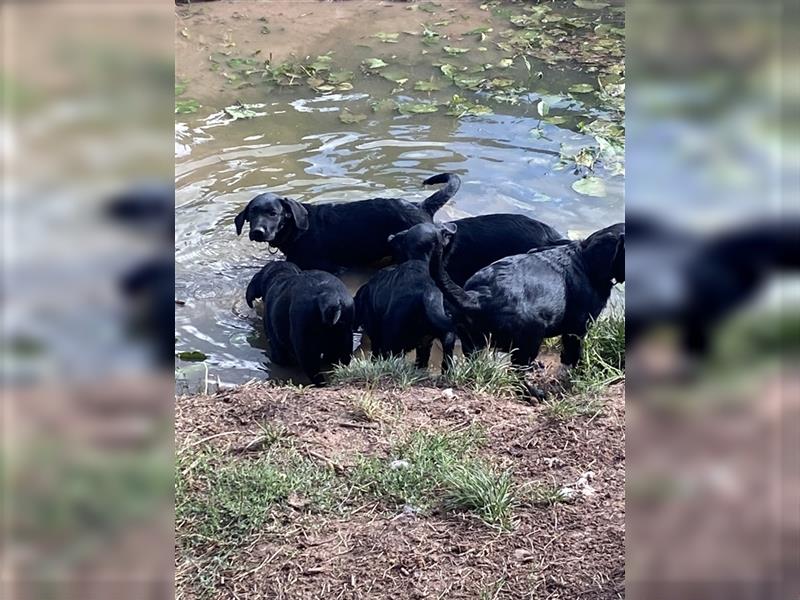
(401, 308)
(694, 282)
(480, 241)
(332, 236)
(518, 301)
(308, 317)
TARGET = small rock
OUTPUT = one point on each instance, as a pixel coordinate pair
(567, 492)
(399, 464)
(523, 555)
(448, 393)
(296, 501)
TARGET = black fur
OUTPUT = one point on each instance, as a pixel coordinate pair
(518, 301)
(308, 317)
(695, 282)
(400, 308)
(332, 236)
(480, 241)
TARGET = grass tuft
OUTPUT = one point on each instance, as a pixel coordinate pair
(368, 407)
(603, 360)
(395, 371)
(564, 408)
(487, 371)
(416, 470)
(542, 494)
(477, 487)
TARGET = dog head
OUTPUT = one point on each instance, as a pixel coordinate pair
(268, 275)
(419, 242)
(272, 218)
(603, 255)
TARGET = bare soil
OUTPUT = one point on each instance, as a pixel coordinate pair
(569, 549)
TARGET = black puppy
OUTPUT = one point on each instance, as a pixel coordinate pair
(332, 236)
(401, 308)
(518, 301)
(694, 282)
(479, 241)
(308, 317)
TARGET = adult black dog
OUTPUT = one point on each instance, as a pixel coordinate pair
(333, 236)
(308, 317)
(516, 302)
(480, 241)
(400, 308)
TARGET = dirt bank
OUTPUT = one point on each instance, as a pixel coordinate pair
(360, 540)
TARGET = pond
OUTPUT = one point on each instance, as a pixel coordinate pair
(529, 112)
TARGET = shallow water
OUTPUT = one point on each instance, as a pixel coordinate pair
(300, 148)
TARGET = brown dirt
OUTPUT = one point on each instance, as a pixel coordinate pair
(568, 550)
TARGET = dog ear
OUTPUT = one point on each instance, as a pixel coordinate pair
(298, 212)
(255, 289)
(448, 232)
(240, 219)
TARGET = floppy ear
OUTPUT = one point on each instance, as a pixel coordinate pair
(240, 219)
(298, 212)
(255, 288)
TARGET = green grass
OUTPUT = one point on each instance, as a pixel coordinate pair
(564, 408)
(395, 371)
(487, 371)
(369, 407)
(478, 487)
(221, 504)
(603, 358)
(427, 456)
(542, 494)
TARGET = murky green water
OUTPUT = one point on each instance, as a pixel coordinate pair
(510, 161)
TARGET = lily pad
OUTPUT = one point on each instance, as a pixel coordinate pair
(374, 64)
(543, 108)
(384, 105)
(590, 186)
(186, 106)
(339, 77)
(348, 118)
(581, 88)
(387, 38)
(242, 111)
(501, 83)
(461, 107)
(395, 75)
(408, 108)
(192, 356)
(591, 4)
(450, 70)
(505, 63)
(427, 86)
(452, 50)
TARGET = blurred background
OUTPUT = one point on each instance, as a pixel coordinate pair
(87, 299)
(712, 326)
(712, 292)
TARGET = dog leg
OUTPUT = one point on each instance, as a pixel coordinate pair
(448, 345)
(424, 354)
(570, 349)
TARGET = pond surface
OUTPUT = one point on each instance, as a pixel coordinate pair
(296, 143)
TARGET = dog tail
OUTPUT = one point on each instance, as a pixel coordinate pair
(255, 289)
(437, 200)
(434, 309)
(461, 299)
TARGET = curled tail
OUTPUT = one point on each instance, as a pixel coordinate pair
(464, 301)
(437, 200)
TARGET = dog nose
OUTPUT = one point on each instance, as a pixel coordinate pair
(258, 235)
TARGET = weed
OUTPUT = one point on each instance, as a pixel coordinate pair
(542, 494)
(563, 408)
(477, 487)
(603, 358)
(373, 372)
(487, 371)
